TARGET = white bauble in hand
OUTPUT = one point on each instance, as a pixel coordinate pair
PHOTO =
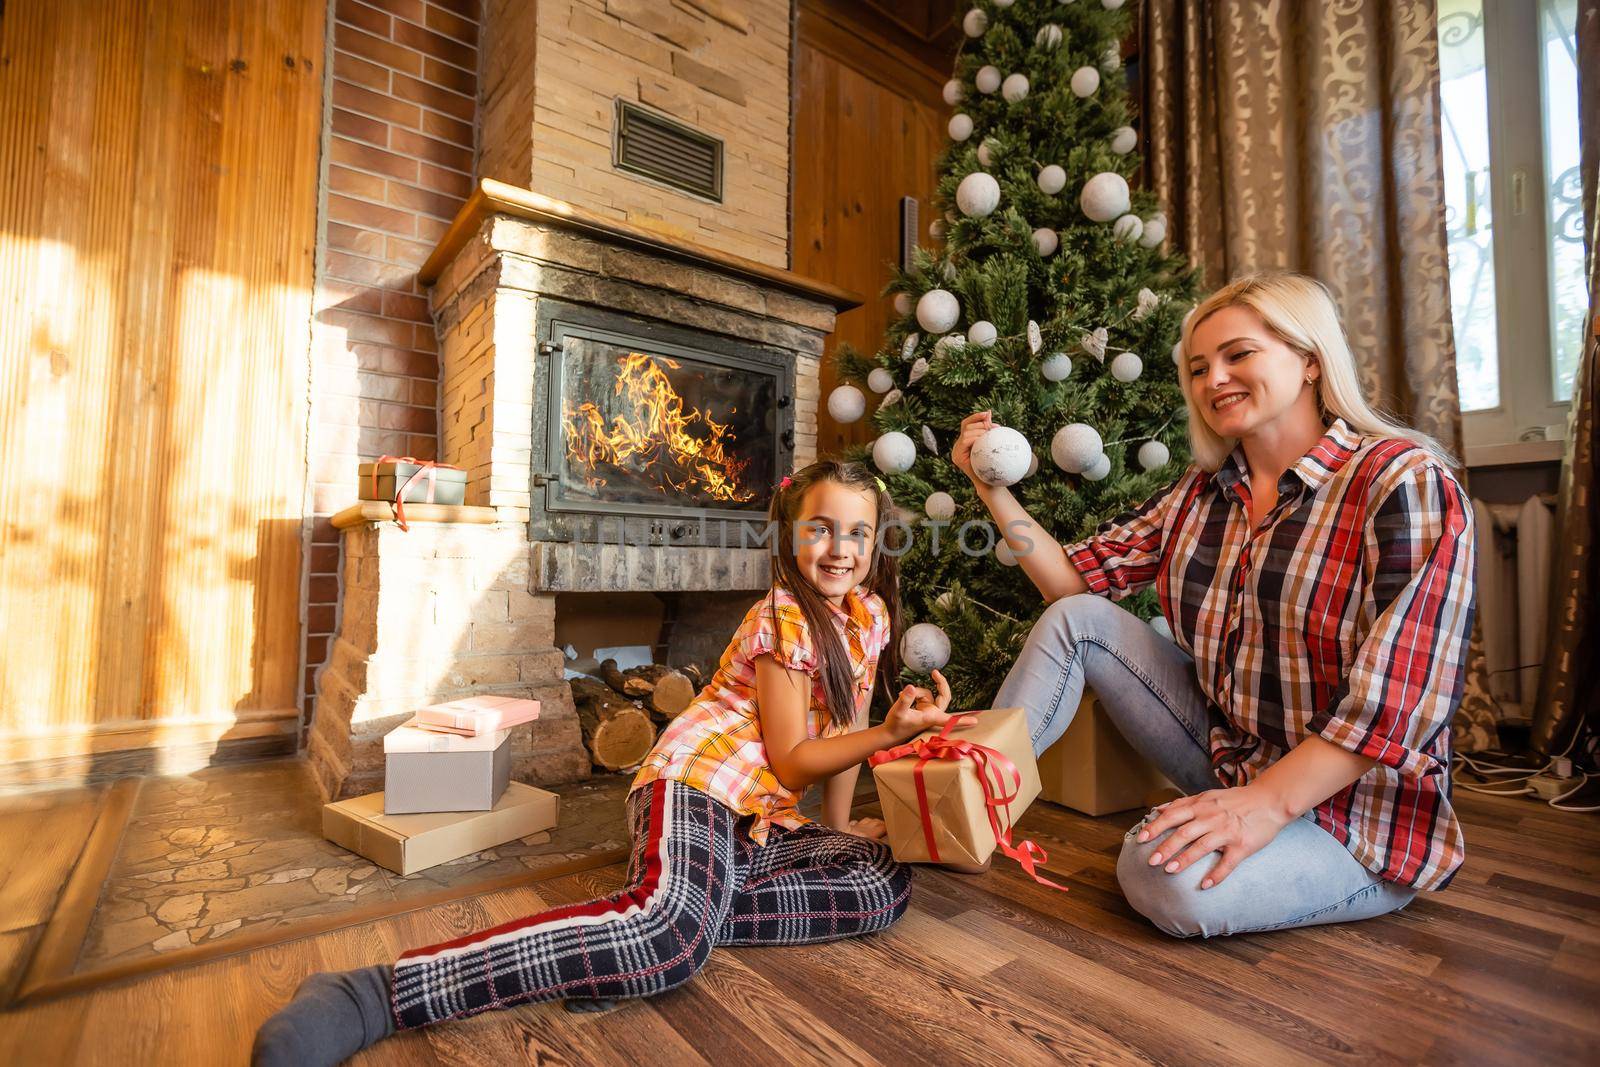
(1046, 241)
(1056, 367)
(918, 369)
(1127, 367)
(846, 404)
(924, 648)
(975, 22)
(953, 92)
(1085, 80)
(1098, 470)
(982, 333)
(903, 304)
(1153, 454)
(1048, 37)
(930, 442)
(1105, 196)
(938, 310)
(987, 79)
(880, 380)
(1075, 446)
(1095, 343)
(1155, 231)
(1128, 227)
(978, 194)
(959, 127)
(1160, 625)
(940, 506)
(893, 453)
(1148, 302)
(1052, 179)
(1015, 88)
(1000, 457)
(1124, 139)
(1004, 554)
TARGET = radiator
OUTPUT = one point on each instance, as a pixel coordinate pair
(1516, 544)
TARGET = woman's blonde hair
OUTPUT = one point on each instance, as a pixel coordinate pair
(1301, 312)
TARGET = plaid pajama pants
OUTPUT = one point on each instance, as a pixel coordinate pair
(695, 879)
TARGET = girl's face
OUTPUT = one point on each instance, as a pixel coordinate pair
(1244, 378)
(833, 538)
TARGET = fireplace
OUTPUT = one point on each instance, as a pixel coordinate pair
(651, 433)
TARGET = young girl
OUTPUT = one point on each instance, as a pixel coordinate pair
(721, 854)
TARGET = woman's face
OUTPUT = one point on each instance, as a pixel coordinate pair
(833, 538)
(1244, 378)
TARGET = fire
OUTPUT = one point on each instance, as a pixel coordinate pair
(651, 436)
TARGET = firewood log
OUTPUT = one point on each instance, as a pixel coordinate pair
(665, 690)
(617, 731)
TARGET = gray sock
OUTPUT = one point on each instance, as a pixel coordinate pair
(331, 1018)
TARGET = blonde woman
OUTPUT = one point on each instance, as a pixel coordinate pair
(1315, 564)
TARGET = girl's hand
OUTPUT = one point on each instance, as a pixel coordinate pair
(972, 428)
(872, 829)
(1236, 822)
(917, 710)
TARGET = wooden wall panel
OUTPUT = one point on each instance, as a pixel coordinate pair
(868, 126)
(157, 231)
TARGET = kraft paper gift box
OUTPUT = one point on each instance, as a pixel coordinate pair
(406, 844)
(428, 771)
(477, 715)
(956, 801)
(438, 483)
(1093, 769)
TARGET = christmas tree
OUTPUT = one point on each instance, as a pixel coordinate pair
(1053, 303)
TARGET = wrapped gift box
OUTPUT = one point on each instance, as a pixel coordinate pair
(428, 771)
(406, 844)
(957, 828)
(382, 479)
(1093, 769)
(477, 715)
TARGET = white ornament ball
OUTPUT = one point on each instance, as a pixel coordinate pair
(949, 271)
(1085, 80)
(987, 151)
(1033, 464)
(978, 194)
(1015, 88)
(1127, 367)
(1049, 36)
(1124, 139)
(846, 404)
(1046, 241)
(938, 310)
(1097, 471)
(1128, 227)
(1056, 368)
(953, 93)
(880, 380)
(944, 344)
(940, 505)
(1177, 353)
(1000, 457)
(924, 648)
(1003, 553)
(930, 442)
(1160, 625)
(1003, 3)
(987, 79)
(943, 601)
(975, 22)
(1035, 337)
(1111, 59)
(1111, 5)
(1075, 446)
(982, 333)
(893, 453)
(936, 229)
(1052, 179)
(959, 127)
(1105, 196)
(903, 304)
(1155, 231)
(1153, 454)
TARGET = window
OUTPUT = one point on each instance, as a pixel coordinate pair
(1513, 212)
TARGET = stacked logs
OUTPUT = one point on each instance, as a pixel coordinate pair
(621, 711)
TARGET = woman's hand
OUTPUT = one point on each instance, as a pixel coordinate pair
(1236, 822)
(917, 710)
(872, 829)
(972, 428)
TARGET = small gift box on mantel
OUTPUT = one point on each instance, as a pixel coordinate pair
(402, 480)
(952, 796)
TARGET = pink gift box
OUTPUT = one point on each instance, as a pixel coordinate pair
(473, 716)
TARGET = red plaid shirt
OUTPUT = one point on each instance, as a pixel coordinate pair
(1346, 615)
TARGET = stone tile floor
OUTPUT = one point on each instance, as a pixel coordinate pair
(239, 848)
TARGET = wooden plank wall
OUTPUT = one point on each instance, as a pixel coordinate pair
(157, 235)
(868, 125)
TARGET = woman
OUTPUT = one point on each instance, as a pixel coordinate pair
(1315, 564)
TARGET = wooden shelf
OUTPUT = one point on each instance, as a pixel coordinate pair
(365, 511)
(1515, 453)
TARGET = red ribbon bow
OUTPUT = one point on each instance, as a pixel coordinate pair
(942, 746)
(424, 466)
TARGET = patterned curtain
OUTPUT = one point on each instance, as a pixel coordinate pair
(1306, 135)
(1569, 689)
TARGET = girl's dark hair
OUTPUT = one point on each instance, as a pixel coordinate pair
(883, 578)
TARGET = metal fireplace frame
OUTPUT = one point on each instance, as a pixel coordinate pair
(640, 524)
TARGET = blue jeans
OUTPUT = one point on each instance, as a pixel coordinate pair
(1148, 687)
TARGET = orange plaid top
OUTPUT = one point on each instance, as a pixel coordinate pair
(715, 744)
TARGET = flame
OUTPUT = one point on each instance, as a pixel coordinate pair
(651, 436)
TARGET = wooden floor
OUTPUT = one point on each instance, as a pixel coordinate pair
(1503, 967)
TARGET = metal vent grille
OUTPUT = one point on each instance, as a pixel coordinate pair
(667, 151)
